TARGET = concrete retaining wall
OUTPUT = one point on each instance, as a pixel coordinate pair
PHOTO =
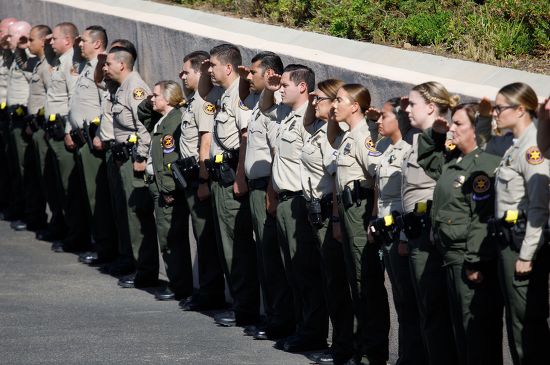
(163, 34)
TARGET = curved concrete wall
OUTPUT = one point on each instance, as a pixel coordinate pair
(163, 34)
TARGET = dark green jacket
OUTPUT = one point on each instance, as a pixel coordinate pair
(165, 150)
(463, 198)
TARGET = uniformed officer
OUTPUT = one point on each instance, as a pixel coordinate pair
(70, 195)
(130, 153)
(426, 102)
(296, 237)
(5, 60)
(411, 348)
(194, 147)
(171, 213)
(229, 188)
(17, 97)
(35, 156)
(277, 296)
(521, 211)
(84, 118)
(318, 166)
(463, 202)
(356, 161)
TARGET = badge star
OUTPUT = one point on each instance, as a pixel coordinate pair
(480, 184)
(138, 93)
(535, 155)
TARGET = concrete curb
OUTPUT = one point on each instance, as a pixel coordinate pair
(170, 31)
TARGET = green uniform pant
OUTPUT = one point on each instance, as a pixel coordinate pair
(211, 281)
(51, 184)
(237, 247)
(142, 234)
(16, 152)
(476, 309)
(303, 268)
(173, 239)
(337, 292)
(411, 348)
(277, 294)
(366, 279)
(94, 172)
(35, 199)
(430, 287)
(526, 301)
(71, 194)
(4, 177)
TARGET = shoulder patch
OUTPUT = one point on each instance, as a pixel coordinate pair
(168, 144)
(371, 147)
(481, 185)
(242, 106)
(534, 156)
(209, 108)
(138, 93)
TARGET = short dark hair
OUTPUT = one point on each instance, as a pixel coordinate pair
(129, 46)
(123, 55)
(196, 59)
(269, 60)
(228, 54)
(98, 33)
(300, 73)
(68, 29)
(43, 30)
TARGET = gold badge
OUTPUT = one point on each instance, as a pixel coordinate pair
(481, 184)
(449, 146)
(371, 147)
(139, 93)
(534, 156)
(168, 143)
(209, 108)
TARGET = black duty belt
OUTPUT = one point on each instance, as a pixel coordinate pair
(259, 184)
(286, 195)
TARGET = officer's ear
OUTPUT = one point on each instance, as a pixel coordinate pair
(229, 69)
(302, 86)
(432, 108)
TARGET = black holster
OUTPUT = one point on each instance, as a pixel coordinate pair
(185, 171)
(55, 129)
(120, 152)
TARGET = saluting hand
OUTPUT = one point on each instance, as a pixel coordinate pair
(205, 65)
(544, 112)
(440, 126)
(404, 103)
(272, 80)
(243, 71)
(373, 114)
(523, 268)
(485, 108)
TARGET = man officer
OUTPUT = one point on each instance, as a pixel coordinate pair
(84, 117)
(130, 153)
(196, 132)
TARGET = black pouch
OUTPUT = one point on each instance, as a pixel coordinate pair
(120, 152)
(347, 197)
(227, 174)
(412, 225)
(77, 138)
(315, 212)
(56, 128)
(382, 234)
(213, 171)
(517, 234)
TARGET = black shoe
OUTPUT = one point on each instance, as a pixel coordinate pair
(303, 344)
(57, 246)
(354, 361)
(18, 225)
(165, 294)
(127, 281)
(87, 257)
(323, 358)
(226, 319)
(46, 235)
(273, 333)
(194, 304)
(280, 343)
(251, 330)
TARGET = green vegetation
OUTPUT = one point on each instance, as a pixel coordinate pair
(486, 31)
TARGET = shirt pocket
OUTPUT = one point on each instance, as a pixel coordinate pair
(452, 226)
(221, 125)
(287, 147)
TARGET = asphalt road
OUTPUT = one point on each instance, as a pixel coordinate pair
(54, 310)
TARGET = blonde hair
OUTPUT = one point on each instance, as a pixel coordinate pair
(518, 94)
(171, 91)
(436, 93)
(330, 87)
(359, 94)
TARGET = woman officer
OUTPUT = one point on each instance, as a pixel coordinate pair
(463, 202)
(427, 102)
(170, 214)
(521, 214)
(317, 170)
(356, 161)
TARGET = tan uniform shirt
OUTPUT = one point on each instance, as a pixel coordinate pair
(522, 184)
(63, 80)
(262, 132)
(416, 185)
(125, 105)
(231, 117)
(85, 104)
(197, 116)
(290, 139)
(388, 178)
(318, 164)
(106, 131)
(356, 159)
(40, 81)
(18, 85)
